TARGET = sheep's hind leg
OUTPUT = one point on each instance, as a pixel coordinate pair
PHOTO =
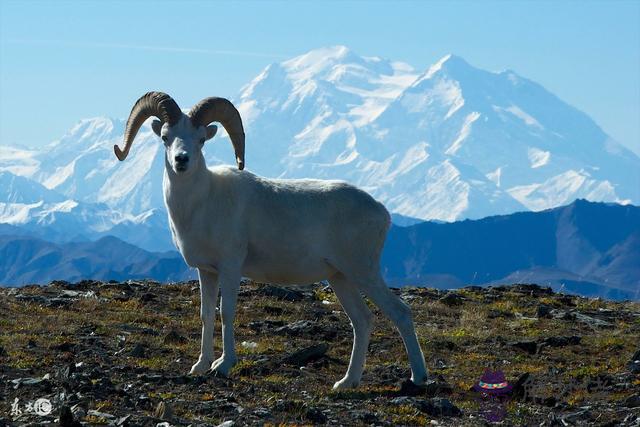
(208, 299)
(400, 314)
(229, 285)
(362, 322)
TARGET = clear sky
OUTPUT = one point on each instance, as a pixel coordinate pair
(63, 61)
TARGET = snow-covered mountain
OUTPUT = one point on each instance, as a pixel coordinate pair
(448, 143)
(29, 208)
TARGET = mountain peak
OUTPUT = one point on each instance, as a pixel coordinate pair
(320, 58)
(449, 63)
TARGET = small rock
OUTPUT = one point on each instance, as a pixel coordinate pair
(566, 300)
(64, 347)
(163, 411)
(26, 381)
(173, 337)
(262, 413)
(632, 401)
(282, 293)
(561, 341)
(592, 321)
(561, 314)
(260, 325)
(301, 357)
(315, 415)
(519, 387)
(100, 414)
(543, 310)
(70, 294)
(531, 289)
(403, 400)
(66, 418)
(438, 407)
(123, 421)
(576, 418)
(139, 350)
(442, 344)
(307, 328)
(78, 411)
(148, 296)
(528, 346)
(437, 386)
(364, 416)
(273, 310)
(408, 388)
(451, 299)
(66, 371)
(494, 314)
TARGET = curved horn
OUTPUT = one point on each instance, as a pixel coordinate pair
(155, 104)
(221, 110)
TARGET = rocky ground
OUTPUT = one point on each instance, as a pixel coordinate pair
(117, 354)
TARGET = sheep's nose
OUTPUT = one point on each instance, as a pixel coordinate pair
(181, 158)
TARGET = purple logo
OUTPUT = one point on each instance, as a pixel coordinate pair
(494, 391)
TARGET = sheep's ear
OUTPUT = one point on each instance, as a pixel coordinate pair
(211, 131)
(156, 125)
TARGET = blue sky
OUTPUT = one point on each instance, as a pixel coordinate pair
(63, 61)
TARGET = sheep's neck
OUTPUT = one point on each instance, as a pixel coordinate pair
(184, 194)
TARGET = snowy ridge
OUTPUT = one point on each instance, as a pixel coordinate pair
(449, 143)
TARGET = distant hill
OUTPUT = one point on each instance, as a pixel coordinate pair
(27, 260)
(586, 248)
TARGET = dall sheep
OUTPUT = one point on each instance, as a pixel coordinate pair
(230, 223)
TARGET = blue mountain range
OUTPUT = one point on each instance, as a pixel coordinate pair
(586, 248)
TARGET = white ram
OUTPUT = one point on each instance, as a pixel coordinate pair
(230, 223)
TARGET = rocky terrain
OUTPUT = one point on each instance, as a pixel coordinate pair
(110, 353)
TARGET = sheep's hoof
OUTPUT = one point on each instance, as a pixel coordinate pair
(345, 384)
(420, 381)
(200, 367)
(222, 366)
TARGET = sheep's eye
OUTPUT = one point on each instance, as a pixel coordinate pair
(164, 138)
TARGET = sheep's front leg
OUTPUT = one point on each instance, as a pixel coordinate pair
(229, 284)
(208, 299)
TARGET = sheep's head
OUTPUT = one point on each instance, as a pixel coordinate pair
(183, 135)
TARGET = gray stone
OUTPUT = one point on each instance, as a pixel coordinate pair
(100, 414)
(173, 337)
(164, 411)
(451, 299)
(438, 407)
(308, 354)
(66, 418)
(632, 401)
(592, 321)
(543, 310)
(282, 293)
(528, 346)
(139, 350)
